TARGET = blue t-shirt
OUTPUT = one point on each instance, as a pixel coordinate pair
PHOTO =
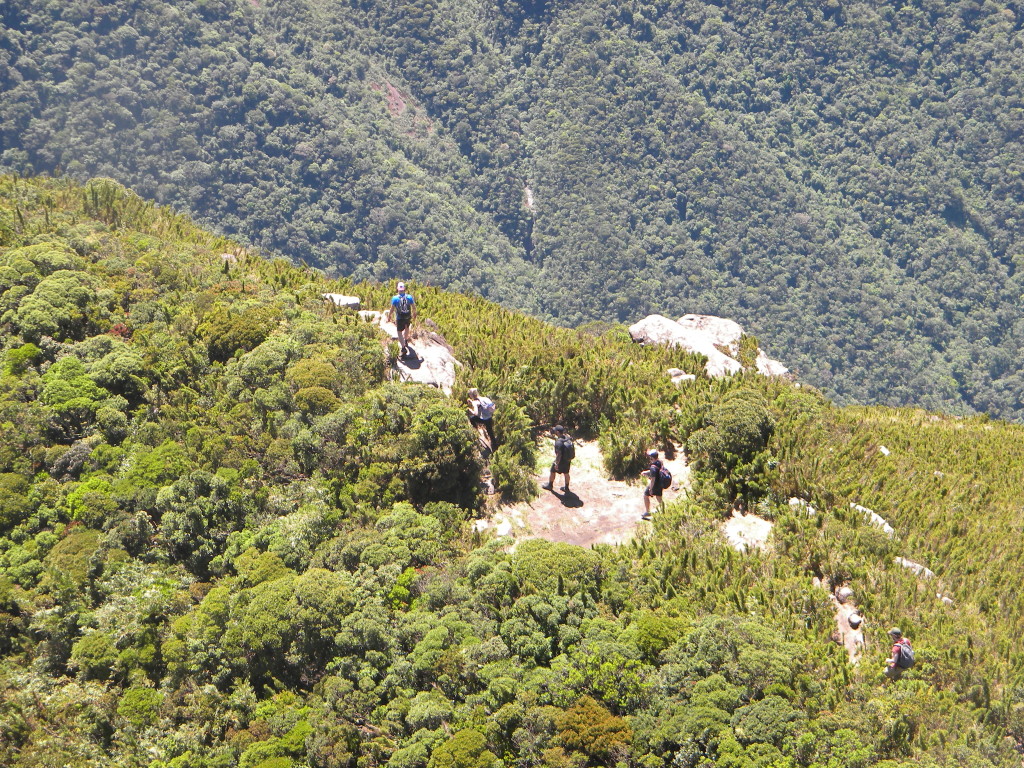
(396, 302)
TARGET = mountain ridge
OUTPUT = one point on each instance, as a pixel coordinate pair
(227, 539)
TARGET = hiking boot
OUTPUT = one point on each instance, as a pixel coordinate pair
(565, 488)
(645, 516)
(546, 486)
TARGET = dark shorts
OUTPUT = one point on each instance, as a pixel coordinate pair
(560, 469)
(656, 492)
(401, 324)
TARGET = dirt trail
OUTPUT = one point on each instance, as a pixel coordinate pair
(596, 510)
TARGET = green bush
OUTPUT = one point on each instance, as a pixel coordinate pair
(512, 479)
(94, 656)
(140, 706)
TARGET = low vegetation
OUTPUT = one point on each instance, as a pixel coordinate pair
(227, 538)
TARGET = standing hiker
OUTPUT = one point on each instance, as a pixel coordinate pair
(656, 483)
(481, 413)
(902, 655)
(403, 312)
(565, 452)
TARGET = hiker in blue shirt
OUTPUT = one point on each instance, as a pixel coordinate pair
(403, 312)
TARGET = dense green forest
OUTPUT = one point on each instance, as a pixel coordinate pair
(227, 538)
(841, 177)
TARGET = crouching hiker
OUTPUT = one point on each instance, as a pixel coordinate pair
(481, 413)
(658, 479)
(902, 655)
(565, 452)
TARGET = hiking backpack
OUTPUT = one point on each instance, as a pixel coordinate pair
(568, 451)
(404, 307)
(486, 408)
(664, 478)
(906, 657)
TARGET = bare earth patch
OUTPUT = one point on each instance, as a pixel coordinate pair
(596, 510)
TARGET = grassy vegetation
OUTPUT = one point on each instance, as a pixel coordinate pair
(228, 539)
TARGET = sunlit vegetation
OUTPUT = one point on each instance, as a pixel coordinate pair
(228, 538)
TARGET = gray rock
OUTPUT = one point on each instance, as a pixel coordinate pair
(340, 300)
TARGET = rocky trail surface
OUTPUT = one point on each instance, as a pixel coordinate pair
(596, 509)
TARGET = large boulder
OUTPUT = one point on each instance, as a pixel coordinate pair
(340, 300)
(717, 338)
(434, 362)
(718, 330)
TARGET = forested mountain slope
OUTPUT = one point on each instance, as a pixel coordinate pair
(226, 538)
(842, 178)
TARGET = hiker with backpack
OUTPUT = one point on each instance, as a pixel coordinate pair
(658, 479)
(902, 655)
(481, 413)
(403, 312)
(565, 452)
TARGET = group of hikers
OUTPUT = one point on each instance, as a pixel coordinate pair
(402, 311)
(657, 475)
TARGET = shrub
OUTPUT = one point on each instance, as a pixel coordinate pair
(512, 479)
(140, 706)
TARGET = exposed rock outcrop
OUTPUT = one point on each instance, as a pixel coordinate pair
(433, 362)
(917, 568)
(747, 532)
(679, 376)
(875, 518)
(340, 300)
(716, 338)
(795, 503)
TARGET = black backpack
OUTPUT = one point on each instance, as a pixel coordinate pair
(665, 477)
(906, 657)
(568, 448)
(404, 307)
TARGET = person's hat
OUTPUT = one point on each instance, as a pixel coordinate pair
(401, 286)
(895, 632)
(652, 453)
(559, 429)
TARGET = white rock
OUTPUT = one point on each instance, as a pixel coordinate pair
(434, 363)
(719, 331)
(340, 300)
(795, 503)
(678, 376)
(747, 532)
(946, 600)
(658, 329)
(844, 594)
(716, 338)
(883, 450)
(917, 568)
(768, 367)
(875, 519)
